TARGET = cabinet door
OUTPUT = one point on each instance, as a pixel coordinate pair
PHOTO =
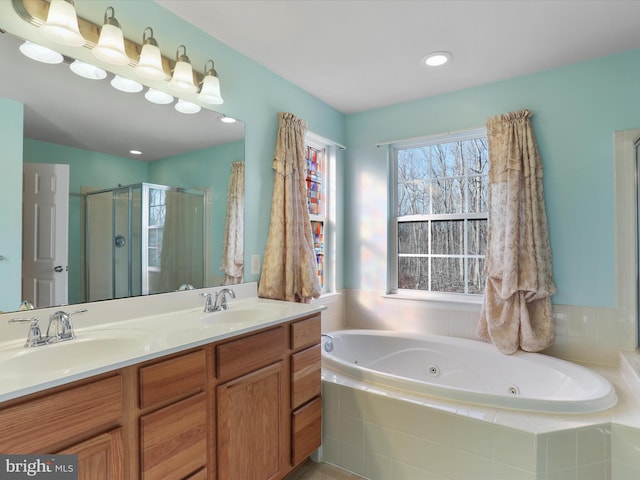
(100, 458)
(251, 425)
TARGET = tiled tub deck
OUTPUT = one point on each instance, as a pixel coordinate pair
(383, 435)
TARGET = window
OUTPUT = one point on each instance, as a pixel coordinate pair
(320, 157)
(440, 220)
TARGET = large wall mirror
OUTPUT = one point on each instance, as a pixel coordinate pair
(130, 217)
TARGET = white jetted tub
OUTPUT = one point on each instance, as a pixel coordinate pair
(465, 370)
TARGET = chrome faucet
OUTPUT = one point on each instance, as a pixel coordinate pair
(220, 302)
(60, 328)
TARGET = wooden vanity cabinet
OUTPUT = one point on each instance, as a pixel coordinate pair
(248, 407)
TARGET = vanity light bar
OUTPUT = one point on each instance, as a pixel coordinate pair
(35, 12)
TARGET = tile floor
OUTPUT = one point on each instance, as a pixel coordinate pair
(322, 471)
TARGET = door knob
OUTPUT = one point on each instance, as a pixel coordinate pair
(57, 269)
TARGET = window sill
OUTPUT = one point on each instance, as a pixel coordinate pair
(326, 296)
(436, 297)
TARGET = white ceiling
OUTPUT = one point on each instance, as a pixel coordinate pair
(358, 55)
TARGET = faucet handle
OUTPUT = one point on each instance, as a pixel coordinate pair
(208, 304)
(34, 337)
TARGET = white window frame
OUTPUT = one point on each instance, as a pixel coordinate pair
(329, 201)
(392, 260)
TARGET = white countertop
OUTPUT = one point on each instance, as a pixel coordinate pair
(119, 333)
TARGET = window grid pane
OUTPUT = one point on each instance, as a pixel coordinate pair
(441, 205)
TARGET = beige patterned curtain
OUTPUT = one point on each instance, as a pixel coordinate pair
(289, 269)
(233, 249)
(516, 312)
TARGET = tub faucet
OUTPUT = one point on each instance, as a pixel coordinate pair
(328, 345)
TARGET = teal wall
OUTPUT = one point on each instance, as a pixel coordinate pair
(211, 168)
(576, 110)
(11, 120)
(251, 93)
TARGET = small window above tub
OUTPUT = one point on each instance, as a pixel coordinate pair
(439, 202)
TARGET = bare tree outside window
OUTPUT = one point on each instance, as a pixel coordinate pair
(441, 214)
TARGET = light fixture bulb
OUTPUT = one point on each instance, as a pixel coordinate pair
(87, 70)
(158, 97)
(40, 53)
(210, 91)
(150, 63)
(182, 79)
(62, 24)
(126, 85)
(110, 47)
(187, 107)
(225, 119)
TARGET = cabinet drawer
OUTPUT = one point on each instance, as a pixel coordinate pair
(305, 375)
(305, 332)
(250, 353)
(38, 425)
(306, 430)
(172, 379)
(174, 439)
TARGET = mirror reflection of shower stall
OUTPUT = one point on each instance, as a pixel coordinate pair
(143, 239)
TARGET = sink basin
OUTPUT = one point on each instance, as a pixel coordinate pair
(90, 347)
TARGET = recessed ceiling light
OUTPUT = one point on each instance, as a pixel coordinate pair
(135, 152)
(225, 119)
(436, 59)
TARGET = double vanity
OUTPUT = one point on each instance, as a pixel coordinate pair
(158, 388)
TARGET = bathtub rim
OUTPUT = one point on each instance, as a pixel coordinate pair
(606, 401)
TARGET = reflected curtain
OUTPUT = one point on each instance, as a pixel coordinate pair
(233, 249)
(182, 254)
(289, 270)
(516, 311)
